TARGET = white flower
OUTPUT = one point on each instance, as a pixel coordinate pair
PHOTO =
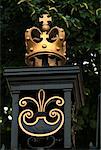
(96, 72)
(95, 69)
(85, 62)
(0, 121)
(5, 108)
(10, 117)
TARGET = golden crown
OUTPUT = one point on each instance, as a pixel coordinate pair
(45, 47)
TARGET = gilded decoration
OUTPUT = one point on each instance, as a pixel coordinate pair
(45, 46)
(36, 124)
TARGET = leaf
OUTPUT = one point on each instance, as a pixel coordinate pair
(76, 22)
(92, 19)
(64, 18)
(83, 14)
(72, 10)
(21, 1)
(84, 4)
(97, 11)
(52, 1)
(91, 12)
(30, 4)
(21, 9)
(53, 8)
(98, 47)
(33, 12)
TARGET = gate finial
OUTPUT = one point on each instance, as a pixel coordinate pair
(46, 47)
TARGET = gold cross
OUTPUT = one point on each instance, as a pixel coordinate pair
(45, 19)
(44, 35)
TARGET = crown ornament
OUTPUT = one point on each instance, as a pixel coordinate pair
(45, 46)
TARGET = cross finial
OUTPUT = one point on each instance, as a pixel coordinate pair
(45, 19)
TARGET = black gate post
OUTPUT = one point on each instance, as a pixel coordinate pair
(64, 79)
(67, 113)
(98, 126)
(14, 126)
(100, 119)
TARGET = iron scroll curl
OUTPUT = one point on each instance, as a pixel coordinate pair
(41, 127)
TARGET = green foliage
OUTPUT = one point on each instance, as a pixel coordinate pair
(81, 21)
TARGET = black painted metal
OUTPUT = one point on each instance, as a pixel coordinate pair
(23, 78)
(66, 78)
(98, 128)
(67, 124)
(14, 126)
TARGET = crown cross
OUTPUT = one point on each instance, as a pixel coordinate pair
(45, 19)
(45, 46)
(44, 35)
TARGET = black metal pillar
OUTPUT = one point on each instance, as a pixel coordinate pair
(100, 119)
(67, 113)
(14, 126)
(98, 126)
(26, 79)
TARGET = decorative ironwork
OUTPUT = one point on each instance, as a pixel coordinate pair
(47, 142)
(45, 47)
(41, 127)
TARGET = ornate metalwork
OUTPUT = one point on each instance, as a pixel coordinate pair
(47, 142)
(41, 127)
(46, 46)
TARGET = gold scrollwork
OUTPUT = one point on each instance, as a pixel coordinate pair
(26, 114)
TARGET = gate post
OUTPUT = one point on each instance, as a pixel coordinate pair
(14, 125)
(67, 113)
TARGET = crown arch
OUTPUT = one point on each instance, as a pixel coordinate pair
(45, 46)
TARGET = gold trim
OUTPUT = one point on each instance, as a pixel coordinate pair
(58, 113)
(45, 41)
(23, 102)
(59, 101)
(41, 101)
(55, 113)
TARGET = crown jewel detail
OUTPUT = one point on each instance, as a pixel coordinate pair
(45, 47)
